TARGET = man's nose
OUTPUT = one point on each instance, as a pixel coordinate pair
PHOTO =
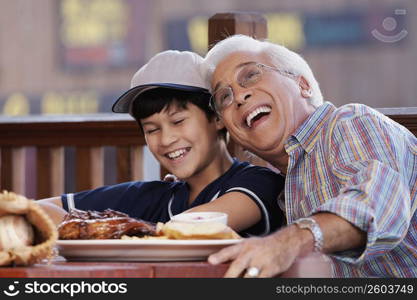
(242, 95)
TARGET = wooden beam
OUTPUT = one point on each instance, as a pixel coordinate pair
(227, 24)
(19, 167)
(89, 168)
(69, 130)
(129, 163)
(50, 171)
(6, 171)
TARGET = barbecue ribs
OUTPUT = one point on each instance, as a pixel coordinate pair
(109, 224)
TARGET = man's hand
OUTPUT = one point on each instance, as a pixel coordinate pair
(272, 255)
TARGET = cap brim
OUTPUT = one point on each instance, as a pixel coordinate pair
(123, 103)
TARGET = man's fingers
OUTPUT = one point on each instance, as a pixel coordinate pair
(238, 266)
(258, 269)
(242, 260)
(249, 259)
(267, 273)
(225, 254)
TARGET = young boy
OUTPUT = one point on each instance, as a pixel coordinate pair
(170, 102)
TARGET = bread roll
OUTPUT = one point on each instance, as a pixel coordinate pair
(196, 231)
(15, 232)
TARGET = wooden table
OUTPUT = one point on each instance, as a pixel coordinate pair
(60, 268)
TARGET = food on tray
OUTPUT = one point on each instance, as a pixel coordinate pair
(196, 231)
(146, 237)
(200, 217)
(27, 234)
(109, 224)
(15, 232)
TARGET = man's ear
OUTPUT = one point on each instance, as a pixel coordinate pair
(305, 87)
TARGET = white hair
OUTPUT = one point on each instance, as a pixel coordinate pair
(282, 58)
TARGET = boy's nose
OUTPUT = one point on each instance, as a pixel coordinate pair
(168, 137)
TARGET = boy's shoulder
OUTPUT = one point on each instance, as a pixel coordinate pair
(241, 168)
(141, 187)
(157, 185)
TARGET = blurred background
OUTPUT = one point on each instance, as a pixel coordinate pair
(78, 56)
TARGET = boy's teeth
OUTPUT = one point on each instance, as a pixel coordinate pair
(176, 154)
(262, 109)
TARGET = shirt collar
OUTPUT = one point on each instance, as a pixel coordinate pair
(306, 135)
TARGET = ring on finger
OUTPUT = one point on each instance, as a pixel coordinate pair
(253, 272)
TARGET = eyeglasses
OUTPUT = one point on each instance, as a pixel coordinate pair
(248, 76)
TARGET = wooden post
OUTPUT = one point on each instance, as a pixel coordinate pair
(89, 167)
(6, 171)
(129, 163)
(226, 24)
(50, 171)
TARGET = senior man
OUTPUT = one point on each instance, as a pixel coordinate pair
(350, 172)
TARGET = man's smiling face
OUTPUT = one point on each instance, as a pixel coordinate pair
(262, 117)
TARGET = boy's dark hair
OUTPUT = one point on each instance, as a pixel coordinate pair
(155, 100)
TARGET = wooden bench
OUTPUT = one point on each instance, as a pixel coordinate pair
(89, 134)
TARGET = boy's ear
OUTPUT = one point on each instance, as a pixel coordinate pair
(219, 123)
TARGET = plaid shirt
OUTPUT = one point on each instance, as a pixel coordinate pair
(359, 164)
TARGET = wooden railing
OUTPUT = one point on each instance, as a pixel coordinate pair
(89, 134)
(50, 134)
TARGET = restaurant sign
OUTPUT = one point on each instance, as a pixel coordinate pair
(300, 31)
(101, 33)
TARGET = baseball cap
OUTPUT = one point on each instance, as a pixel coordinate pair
(171, 69)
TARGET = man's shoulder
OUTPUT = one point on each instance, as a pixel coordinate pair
(354, 110)
(357, 118)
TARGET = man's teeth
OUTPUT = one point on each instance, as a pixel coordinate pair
(176, 154)
(262, 109)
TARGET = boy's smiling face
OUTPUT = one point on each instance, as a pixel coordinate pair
(182, 139)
